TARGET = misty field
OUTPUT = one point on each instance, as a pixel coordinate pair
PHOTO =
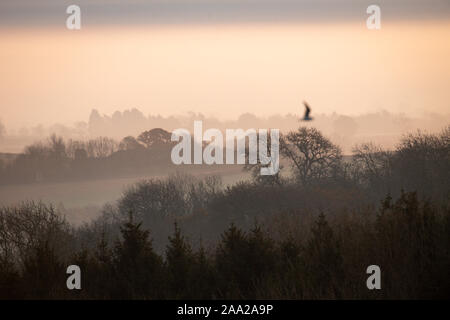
(81, 201)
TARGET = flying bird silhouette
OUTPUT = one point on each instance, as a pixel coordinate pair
(306, 117)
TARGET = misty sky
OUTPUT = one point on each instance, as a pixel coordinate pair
(48, 12)
(222, 58)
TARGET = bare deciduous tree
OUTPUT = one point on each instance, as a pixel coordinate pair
(101, 147)
(371, 165)
(25, 227)
(312, 155)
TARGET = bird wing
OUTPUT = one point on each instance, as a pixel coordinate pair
(307, 109)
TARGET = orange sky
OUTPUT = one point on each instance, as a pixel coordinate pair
(56, 75)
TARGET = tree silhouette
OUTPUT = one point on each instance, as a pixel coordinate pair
(130, 143)
(137, 266)
(43, 273)
(180, 261)
(313, 157)
(324, 260)
(154, 137)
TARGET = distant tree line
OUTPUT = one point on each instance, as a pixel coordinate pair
(420, 162)
(56, 159)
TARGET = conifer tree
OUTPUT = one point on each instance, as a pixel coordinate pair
(324, 260)
(137, 266)
(179, 260)
(43, 273)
